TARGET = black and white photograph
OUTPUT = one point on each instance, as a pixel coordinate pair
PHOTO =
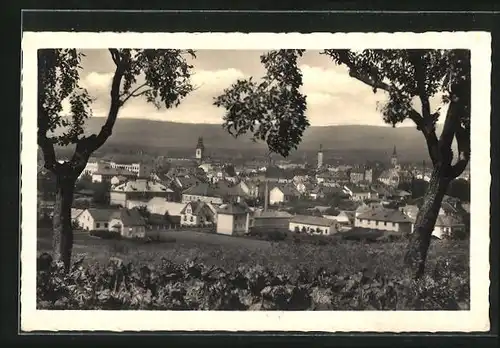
(289, 182)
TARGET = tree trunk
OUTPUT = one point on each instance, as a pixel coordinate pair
(62, 238)
(425, 221)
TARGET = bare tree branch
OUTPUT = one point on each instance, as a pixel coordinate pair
(135, 93)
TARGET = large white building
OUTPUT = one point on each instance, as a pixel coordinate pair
(233, 219)
(390, 220)
(312, 225)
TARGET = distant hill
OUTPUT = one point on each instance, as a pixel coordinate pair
(337, 139)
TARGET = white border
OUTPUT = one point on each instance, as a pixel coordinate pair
(476, 319)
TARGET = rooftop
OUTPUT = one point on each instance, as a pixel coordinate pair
(384, 214)
(312, 220)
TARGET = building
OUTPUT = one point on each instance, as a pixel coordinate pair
(200, 150)
(271, 220)
(312, 225)
(233, 219)
(320, 156)
(138, 192)
(369, 175)
(128, 223)
(357, 193)
(106, 173)
(357, 176)
(389, 220)
(203, 192)
(198, 214)
(282, 194)
(344, 220)
(94, 219)
(447, 226)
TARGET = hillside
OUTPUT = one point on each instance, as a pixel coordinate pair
(336, 139)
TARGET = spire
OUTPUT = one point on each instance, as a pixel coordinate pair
(200, 143)
(394, 151)
(320, 147)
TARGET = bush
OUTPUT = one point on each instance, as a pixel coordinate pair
(105, 234)
(195, 286)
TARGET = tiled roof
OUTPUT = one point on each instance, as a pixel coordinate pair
(448, 221)
(108, 171)
(196, 207)
(273, 214)
(75, 213)
(312, 220)
(384, 214)
(141, 186)
(202, 189)
(233, 209)
(160, 204)
(131, 217)
(103, 214)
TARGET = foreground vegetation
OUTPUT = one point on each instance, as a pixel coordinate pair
(275, 276)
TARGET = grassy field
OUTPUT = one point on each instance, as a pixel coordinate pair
(231, 252)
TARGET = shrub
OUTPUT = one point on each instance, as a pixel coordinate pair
(192, 285)
(105, 234)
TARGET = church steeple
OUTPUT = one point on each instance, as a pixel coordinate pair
(394, 157)
(200, 149)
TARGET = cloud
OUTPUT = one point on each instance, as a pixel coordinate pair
(196, 107)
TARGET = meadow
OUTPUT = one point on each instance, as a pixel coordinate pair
(200, 271)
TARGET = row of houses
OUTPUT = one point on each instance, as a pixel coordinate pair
(237, 218)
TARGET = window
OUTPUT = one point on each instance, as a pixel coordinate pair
(97, 225)
(385, 223)
(106, 225)
(185, 217)
(191, 219)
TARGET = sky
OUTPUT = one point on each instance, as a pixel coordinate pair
(333, 98)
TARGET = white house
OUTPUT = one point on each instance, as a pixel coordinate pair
(390, 220)
(161, 206)
(357, 193)
(233, 219)
(138, 190)
(94, 219)
(197, 214)
(282, 194)
(312, 225)
(202, 192)
(447, 225)
(128, 223)
(344, 219)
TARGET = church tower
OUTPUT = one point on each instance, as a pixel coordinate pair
(200, 150)
(394, 158)
(320, 156)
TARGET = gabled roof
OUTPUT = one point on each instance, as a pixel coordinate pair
(173, 208)
(131, 217)
(287, 190)
(233, 209)
(102, 214)
(312, 220)
(273, 214)
(75, 213)
(384, 214)
(202, 189)
(448, 221)
(141, 186)
(196, 208)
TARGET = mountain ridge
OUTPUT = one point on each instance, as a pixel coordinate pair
(166, 134)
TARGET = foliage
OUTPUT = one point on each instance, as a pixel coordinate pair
(194, 285)
(460, 188)
(272, 110)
